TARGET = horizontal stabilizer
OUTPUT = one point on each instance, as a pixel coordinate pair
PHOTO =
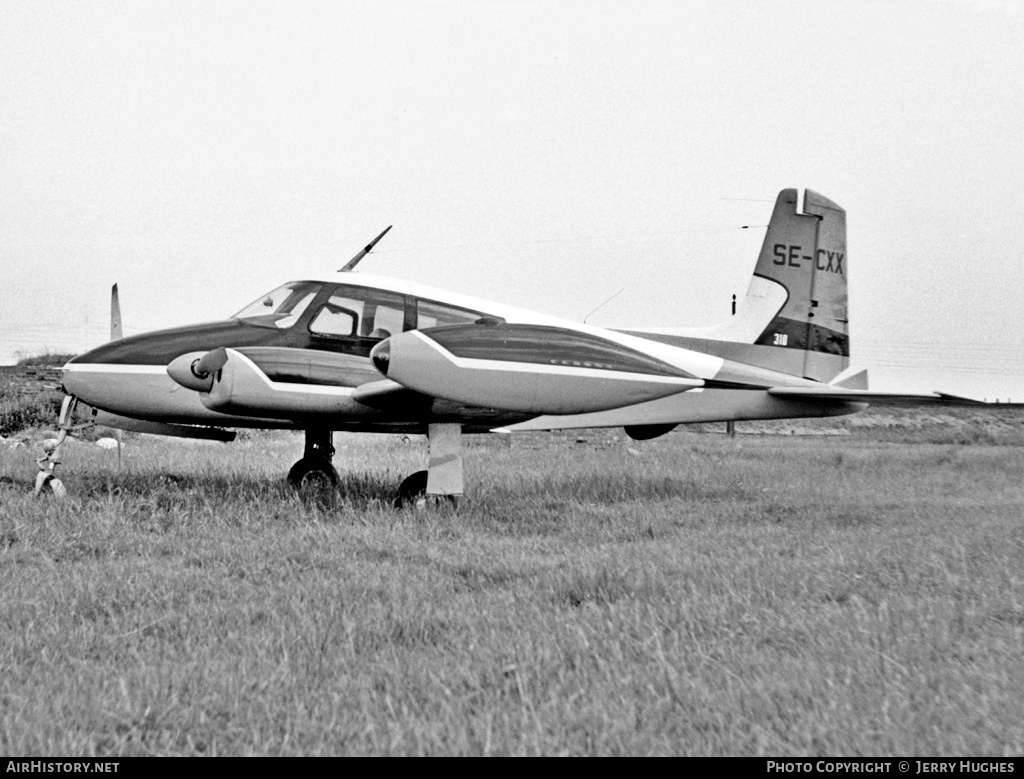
(857, 381)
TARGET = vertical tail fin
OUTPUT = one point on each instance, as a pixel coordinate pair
(793, 318)
(805, 255)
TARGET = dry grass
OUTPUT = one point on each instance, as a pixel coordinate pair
(689, 595)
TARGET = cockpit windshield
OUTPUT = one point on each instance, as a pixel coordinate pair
(282, 307)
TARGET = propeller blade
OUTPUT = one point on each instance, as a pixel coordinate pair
(355, 260)
(210, 363)
(115, 315)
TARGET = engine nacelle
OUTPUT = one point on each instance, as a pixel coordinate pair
(527, 368)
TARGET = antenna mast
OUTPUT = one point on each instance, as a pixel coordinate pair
(355, 260)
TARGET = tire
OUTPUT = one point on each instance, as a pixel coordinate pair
(413, 493)
(314, 474)
(48, 482)
(412, 490)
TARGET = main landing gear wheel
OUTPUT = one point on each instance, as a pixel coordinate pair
(412, 492)
(313, 474)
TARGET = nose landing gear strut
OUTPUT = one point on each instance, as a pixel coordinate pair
(47, 479)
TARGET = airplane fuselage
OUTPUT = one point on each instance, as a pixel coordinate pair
(310, 352)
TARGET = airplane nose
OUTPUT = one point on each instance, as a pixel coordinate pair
(381, 356)
(97, 384)
(68, 380)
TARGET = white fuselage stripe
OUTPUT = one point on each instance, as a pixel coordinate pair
(106, 367)
(125, 368)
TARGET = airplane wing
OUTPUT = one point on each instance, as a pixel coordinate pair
(716, 405)
(387, 395)
(572, 379)
(882, 398)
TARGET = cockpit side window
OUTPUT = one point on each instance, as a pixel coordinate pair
(334, 319)
(282, 307)
(432, 314)
(363, 313)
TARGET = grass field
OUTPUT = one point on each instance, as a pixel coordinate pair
(860, 593)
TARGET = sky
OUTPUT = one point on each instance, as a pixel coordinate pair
(544, 154)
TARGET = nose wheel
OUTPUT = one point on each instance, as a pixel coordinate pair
(46, 479)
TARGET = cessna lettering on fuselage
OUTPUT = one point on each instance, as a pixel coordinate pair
(832, 262)
(364, 353)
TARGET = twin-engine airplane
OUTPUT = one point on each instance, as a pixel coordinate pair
(373, 354)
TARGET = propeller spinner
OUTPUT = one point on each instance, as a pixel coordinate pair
(197, 370)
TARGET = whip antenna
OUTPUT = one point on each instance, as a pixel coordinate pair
(355, 260)
(609, 300)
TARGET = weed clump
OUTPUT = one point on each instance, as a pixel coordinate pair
(25, 412)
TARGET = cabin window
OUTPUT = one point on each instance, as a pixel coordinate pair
(431, 314)
(362, 313)
(334, 319)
